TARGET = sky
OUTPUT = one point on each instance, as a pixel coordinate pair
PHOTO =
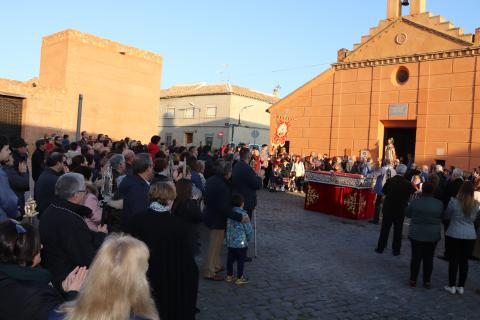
(256, 44)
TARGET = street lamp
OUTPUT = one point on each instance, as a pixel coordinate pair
(239, 122)
(243, 108)
(193, 106)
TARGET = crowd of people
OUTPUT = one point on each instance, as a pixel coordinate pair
(433, 199)
(123, 207)
(135, 209)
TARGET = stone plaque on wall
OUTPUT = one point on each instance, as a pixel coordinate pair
(398, 110)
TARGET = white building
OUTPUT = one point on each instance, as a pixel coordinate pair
(214, 114)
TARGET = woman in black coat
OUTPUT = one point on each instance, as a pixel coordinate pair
(188, 210)
(25, 287)
(173, 272)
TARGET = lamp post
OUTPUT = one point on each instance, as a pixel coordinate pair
(243, 108)
(79, 117)
(192, 106)
(239, 121)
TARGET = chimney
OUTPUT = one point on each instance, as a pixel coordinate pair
(418, 6)
(476, 37)
(394, 9)
(342, 54)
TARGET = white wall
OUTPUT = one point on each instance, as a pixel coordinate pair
(228, 107)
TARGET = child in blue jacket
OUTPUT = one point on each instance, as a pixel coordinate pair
(238, 235)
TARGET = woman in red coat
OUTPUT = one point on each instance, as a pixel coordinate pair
(153, 147)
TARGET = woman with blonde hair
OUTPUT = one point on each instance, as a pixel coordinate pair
(173, 272)
(460, 236)
(116, 286)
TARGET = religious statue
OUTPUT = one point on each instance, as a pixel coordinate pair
(107, 185)
(30, 209)
(390, 154)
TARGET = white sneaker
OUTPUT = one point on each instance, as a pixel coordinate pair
(459, 290)
(450, 290)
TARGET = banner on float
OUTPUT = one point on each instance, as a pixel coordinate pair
(281, 131)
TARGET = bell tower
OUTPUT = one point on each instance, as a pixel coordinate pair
(418, 6)
(394, 9)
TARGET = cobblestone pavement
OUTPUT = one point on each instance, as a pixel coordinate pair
(315, 266)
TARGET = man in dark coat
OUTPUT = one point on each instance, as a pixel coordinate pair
(397, 192)
(442, 181)
(217, 210)
(45, 185)
(67, 240)
(134, 188)
(19, 177)
(19, 181)
(84, 138)
(246, 182)
(38, 159)
(206, 155)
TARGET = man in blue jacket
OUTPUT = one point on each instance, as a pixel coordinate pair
(217, 210)
(8, 199)
(134, 188)
(18, 173)
(246, 182)
(45, 185)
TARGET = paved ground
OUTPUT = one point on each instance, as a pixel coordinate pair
(314, 266)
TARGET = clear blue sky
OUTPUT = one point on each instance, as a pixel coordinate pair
(256, 44)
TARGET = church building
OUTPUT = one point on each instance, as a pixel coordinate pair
(414, 78)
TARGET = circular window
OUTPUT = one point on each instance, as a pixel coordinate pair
(402, 75)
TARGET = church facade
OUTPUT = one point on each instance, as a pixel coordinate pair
(414, 78)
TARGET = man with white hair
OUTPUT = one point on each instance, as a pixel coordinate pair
(67, 240)
(442, 181)
(397, 191)
(424, 173)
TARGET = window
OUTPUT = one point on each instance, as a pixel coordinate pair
(188, 137)
(170, 112)
(189, 113)
(169, 139)
(211, 111)
(402, 75)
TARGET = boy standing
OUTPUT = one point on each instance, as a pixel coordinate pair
(238, 235)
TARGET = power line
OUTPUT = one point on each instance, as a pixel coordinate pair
(309, 66)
